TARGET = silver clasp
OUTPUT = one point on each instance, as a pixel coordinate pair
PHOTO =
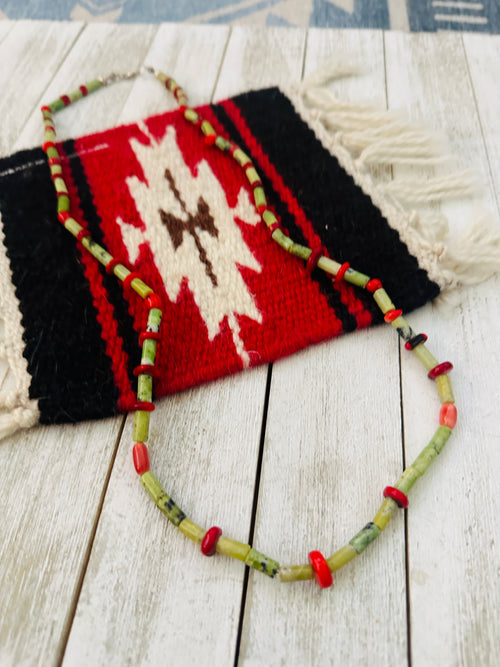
(118, 76)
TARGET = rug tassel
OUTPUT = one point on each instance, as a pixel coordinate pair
(414, 192)
(324, 75)
(20, 417)
(363, 137)
(474, 255)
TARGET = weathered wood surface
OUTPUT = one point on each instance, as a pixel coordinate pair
(92, 573)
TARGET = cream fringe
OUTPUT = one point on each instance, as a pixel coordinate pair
(364, 138)
(17, 410)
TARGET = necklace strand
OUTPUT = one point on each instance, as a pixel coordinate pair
(212, 540)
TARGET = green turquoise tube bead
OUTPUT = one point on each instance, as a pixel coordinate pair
(222, 144)
(295, 573)
(299, 250)
(192, 530)
(166, 504)
(207, 128)
(365, 537)
(241, 157)
(282, 239)
(383, 300)
(154, 319)
(121, 272)
(262, 563)
(423, 460)
(72, 226)
(56, 105)
(403, 328)
(148, 352)
(341, 557)
(252, 175)
(425, 357)
(75, 95)
(355, 277)
(191, 115)
(141, 426)
(140, 287)
(229, 547)
(144, 388)
(97, 250)
(259, 197)
(93, 85)
(269, 218)
(445, 389)
(435, 447)
(63, 204)
(52, 152)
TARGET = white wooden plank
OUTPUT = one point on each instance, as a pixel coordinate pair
(256, 58)
(30, 53)
(5, 28)
(178, 603)
(148, 592)
(452, 554)
(51, 479)
(64, 468)
(328, 454)
(186, 55)
(101, 49)
(482, 58)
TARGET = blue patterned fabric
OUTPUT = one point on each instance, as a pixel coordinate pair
(415, 15)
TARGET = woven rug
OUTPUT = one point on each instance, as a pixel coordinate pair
(179, 212)
(414, 15)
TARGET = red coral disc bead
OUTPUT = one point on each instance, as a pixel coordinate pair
(440, 369)
(210, 139)
(141, 458)
(341, 272)
(314, 257)
(373, 285)
(397, 495)
(209, 542)
(448, 415)
(149, 335)
(146, 406)
(111, 265)
(322, 573)
(133, 275)
(392, 315)
(153, 301)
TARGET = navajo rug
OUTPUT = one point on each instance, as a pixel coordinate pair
(180, 213)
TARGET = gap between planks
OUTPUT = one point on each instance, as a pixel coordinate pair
(480, 120)
(403, 441)
(86, 558)
(255, 504)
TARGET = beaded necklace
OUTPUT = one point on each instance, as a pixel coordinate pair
(212, 540)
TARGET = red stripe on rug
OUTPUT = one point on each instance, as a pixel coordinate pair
(104, 309)
(347, 293)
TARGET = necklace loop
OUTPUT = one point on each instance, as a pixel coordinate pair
(395, 496)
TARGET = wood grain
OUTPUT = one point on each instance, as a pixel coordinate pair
(198, 441)
(92, 573)
(30, 54)
(100, 49)
(451, 547)
(333, 441)
(49, 529)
